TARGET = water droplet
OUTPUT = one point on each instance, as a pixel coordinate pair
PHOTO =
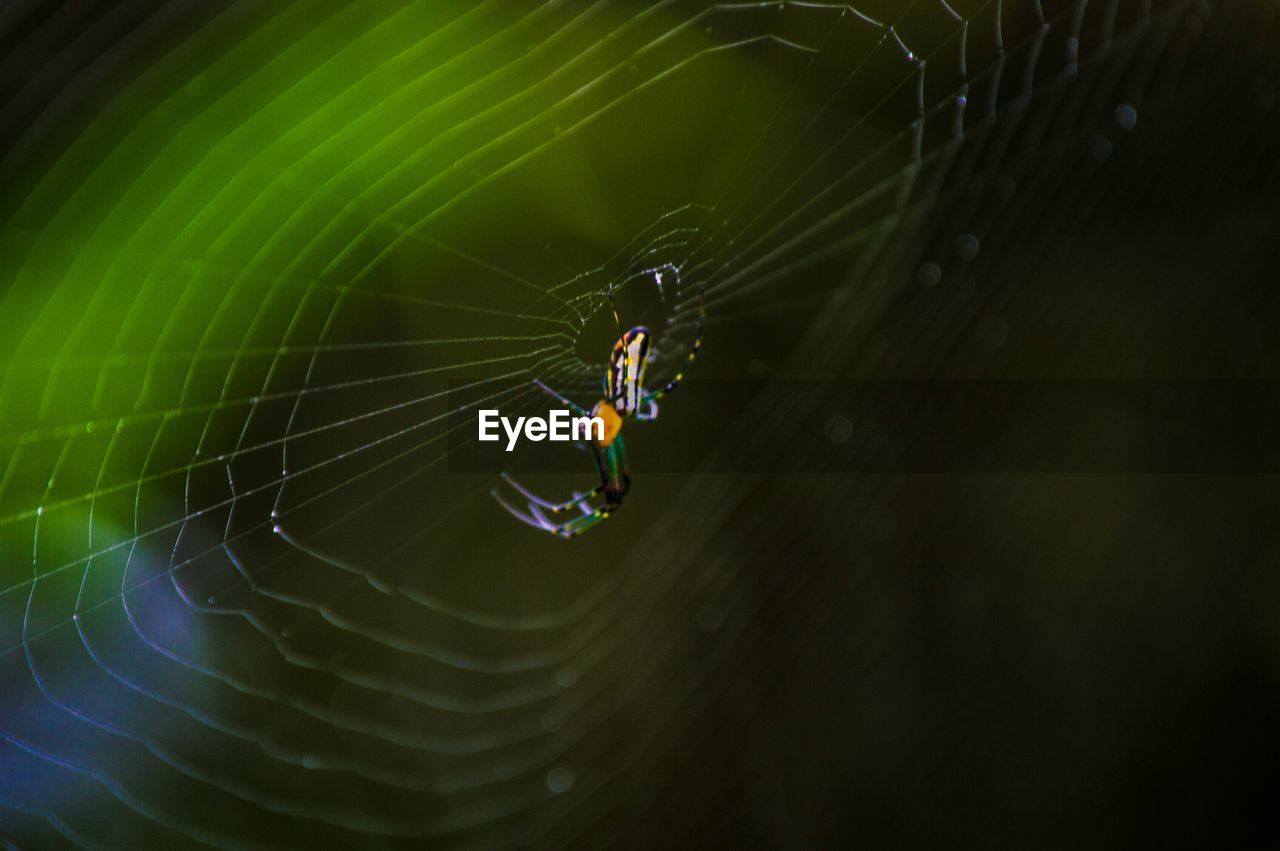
(967, 246)
(560, 780)
(1126, 117)
(839, 429)
(929, 274)
(566, 677)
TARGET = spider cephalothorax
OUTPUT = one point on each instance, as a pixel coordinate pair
(624, 399)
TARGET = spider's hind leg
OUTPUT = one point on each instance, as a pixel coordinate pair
(554, 507)
(579, 525)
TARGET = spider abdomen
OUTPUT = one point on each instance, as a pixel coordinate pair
(612, 422)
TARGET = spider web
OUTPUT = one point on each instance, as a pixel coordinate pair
(256, 269)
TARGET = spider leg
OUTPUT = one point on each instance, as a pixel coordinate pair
(524, 518)
(651, 414)
(617, 320)
(693, 354)
(615, 482)
(579, 525)
(616, 490)
(577, 409)
(538, 520)
(553, 507)
(535, 511)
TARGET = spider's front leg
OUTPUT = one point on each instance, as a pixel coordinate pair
(652, 398)
(577, 409)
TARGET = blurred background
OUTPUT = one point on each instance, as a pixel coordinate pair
(261, 262)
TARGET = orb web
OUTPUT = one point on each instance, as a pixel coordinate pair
(257, 285)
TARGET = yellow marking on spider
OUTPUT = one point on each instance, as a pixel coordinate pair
(612, 422)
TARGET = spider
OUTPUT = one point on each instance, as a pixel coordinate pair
(624, 399)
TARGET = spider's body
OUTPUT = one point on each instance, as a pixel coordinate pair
(624, 380)
(623, 383)
(624, 399)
